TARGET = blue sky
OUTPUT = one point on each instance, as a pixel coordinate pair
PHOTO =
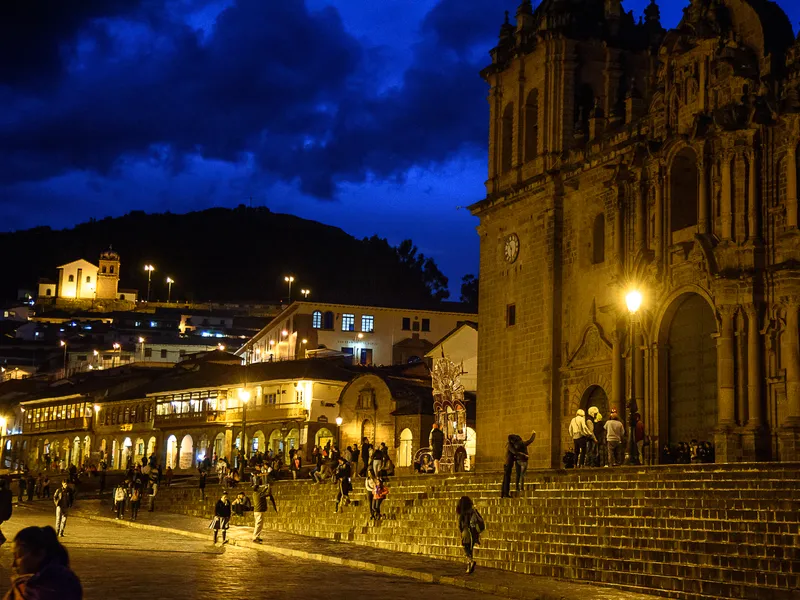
(365, 115)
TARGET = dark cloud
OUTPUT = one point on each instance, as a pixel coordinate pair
(272, 81)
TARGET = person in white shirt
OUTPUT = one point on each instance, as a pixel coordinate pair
(580, 436)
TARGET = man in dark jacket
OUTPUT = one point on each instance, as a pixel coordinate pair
(436, 442)
(365, 449)
(63, 500)
(342, 476)
(260, 495)
(512, 449)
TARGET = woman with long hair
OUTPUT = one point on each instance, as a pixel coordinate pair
(470, 524)
(41, 568)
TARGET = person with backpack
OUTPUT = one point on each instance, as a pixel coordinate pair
(6, 500)
(120, 496)
(136, 501)
(470, 525)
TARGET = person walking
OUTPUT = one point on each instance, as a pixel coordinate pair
(615, 434)
(203, 485)
(521, 459)
(470, 525)
(222, 517)
(136, 501)
(120, 496)
(40, 569)
(6, 501)
(436, 443)
(342, 476)
(62, 501)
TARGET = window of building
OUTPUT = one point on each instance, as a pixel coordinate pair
(298, 395)
(71, 278)
(103, 270)
(328, 320)
(684, 180)
(599, 239)
(48, 292)
(426, 324)
(511, 315)
(182, 353)
(415, 326)
(148, 352)
(163, 354)
(270, 398)
(366, 399)
(406, 324)
(532, 125)
(122, 296)
(507, 139)
(316, 319)
(348, 322)
(111, 269)
(367, 323)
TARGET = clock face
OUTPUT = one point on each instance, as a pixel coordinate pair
(512, 248)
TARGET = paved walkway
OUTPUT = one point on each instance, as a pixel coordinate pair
(422, 568)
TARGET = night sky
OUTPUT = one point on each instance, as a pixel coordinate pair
(364, 114)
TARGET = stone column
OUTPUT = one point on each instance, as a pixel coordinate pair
(617, 372)
(641, 219)
(753, 234)
(789, 435)
(740, 337)
(753, 439)
(724, 437)
(619, 232)
(791, 188)
(726, 211)
(659, 217)
(702, 197)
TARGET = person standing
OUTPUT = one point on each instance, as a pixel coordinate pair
(222, 517)
(436, 443)
(6, 500)
(45, 486)
(30, 485)
(342, 476)
(580, 436)
(154, 490)
(365, 452)
(22, 488)
(638, 433)
(169, 476)
(600, 435)
(62, 501)
(203, 485)
(260, 495)
(379, 495)
(41, 568)
(120, 495)
(370, 482)
(377, 461)
(615, 434)
(470, 525)
(136, 501)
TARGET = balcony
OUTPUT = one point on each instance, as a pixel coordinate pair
(75, 423)
(190, 418)
(269, 412)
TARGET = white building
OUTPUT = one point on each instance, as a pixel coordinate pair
(460, 346)
(82, 280)
(370, 334)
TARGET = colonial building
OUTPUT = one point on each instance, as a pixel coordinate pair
(82, 280)
(623, 156)
(370, 334)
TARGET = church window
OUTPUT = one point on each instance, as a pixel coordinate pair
(507, 139)
(71, 278)
(316, 319)
(511, 315)
(599, 239)
(48, 292)
(684, 182)
(88, 279)
(532, 125)
(111, 269)
(104, 269)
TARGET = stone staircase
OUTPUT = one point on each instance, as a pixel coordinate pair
(688, 532)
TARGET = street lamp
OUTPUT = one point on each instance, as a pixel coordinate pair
(633, 300)
(170, 281)
(338, 432)
(284, 334)
(141, 342)
(244, 396)
(289, 279)
(64, 345)
(305, 292)
(149, 269)
(116, 347)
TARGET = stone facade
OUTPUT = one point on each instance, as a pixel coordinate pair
(623, 156)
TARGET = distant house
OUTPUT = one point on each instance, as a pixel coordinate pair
(82, 280)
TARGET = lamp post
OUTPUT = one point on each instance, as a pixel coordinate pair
(64, 345)
(633, 299)
(356, 357)
(141, 343)
(3, 434)
(305, 292)
(289, 279)
(244, 396)
(170, 281)
(339, 421)
(116, 350)
(284, 335)
(149, 269)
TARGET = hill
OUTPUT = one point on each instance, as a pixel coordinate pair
(224, 254)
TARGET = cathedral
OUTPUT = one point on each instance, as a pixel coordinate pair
(622, 157)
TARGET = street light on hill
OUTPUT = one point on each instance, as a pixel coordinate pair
(149, 269)
(633, 300)
(244, 396)
(289, 279)
(64, 345)
(170, 281)
(305, 292)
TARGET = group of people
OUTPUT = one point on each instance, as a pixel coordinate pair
(131, 490)
(359, 460)
(685, 454)
(261, 492)
(598, 443)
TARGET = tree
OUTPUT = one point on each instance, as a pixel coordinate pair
(469, 289)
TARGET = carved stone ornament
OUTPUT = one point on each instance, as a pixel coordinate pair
(592, 348)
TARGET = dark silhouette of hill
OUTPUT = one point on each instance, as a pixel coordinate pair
(224, 254)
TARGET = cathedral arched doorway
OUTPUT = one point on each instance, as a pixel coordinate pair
(691, 369)
(596, 396)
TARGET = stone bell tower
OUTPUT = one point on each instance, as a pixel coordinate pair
(108, 275)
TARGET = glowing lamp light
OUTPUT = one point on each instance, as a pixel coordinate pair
(95, 352)
(244, 396)
(272, 342)
(339, 421)
(116, 346)
(96, 408)
(361, 336)
(284, 333)
(305, 341)
(222, 347)
(634, 300)
(62, 343)
(3, 422)
(141, 340)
